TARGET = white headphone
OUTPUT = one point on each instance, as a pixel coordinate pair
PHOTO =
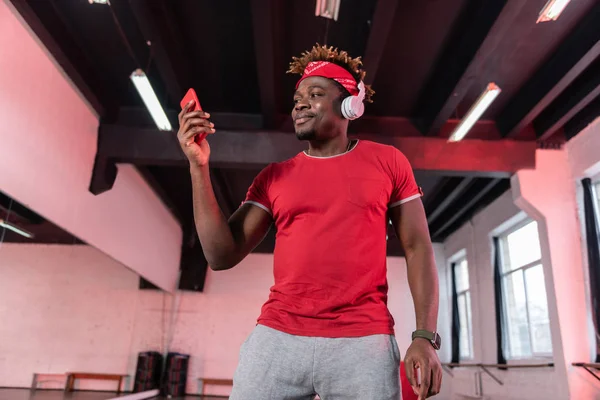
(352, 106)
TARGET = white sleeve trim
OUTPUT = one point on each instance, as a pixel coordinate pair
(416, 196)
(260, 206)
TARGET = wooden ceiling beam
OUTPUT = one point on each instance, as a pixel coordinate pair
(268, 42)
(477, 32)
(570, 60)
(461, 213)
(255, 149)
(449, 198)
(575, 98)
(383, 20)
(156, 22)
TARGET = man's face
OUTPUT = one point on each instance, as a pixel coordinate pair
(316, 113)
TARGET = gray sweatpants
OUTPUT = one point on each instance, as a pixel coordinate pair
(274, 366)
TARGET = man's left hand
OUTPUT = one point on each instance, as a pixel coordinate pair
(423, 356)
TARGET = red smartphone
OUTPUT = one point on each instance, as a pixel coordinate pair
(191, 95)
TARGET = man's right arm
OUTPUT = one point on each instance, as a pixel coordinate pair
(225, 243)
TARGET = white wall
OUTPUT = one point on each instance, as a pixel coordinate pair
(548, 195)
(66, 308)
(476, 238)
(48, 143)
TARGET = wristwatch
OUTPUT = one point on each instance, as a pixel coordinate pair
(433, 337)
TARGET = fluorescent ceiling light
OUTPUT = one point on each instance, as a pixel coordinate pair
(552, 10)
(98, 1)
(144, 88)
(328, 9)
(483, 102)
(16, 229)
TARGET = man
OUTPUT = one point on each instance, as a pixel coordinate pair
(325, 328)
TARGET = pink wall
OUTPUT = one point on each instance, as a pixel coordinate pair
(47, 148)
(548, 194)
(63, 308)
(583, 151)
(74, 308)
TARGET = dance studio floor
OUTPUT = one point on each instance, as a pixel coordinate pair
(25, 394)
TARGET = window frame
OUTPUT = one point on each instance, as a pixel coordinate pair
(507, 271)
(596, 188)
(457, 259)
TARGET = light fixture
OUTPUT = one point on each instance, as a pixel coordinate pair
(144, 88)
(98, 1)
(16, 229)
(552, 10)
(328, 9)
(483, 102)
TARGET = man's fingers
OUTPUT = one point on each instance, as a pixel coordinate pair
(195, 114)
(410, 372)
(199, 122)
(425, 380)
(195, 122)
(185, 109)
(196, 130)
(436, 384)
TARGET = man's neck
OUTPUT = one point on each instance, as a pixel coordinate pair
(331, 147)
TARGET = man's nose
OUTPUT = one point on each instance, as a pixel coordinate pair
(301, 105)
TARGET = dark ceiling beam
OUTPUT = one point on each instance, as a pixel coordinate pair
(571, 101)
(222, 192)
(70, 58)
(139, 117)
(460, 213)
(449, 198)
(383, 19)
(126, 24)
(252, 149)
(14, 208)
(571, 59)
(268, 38)
(255, 149)
(156, 22)
(476, 34)
(44, 233)
(582, 119)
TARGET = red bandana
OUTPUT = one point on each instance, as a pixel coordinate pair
(331, 71)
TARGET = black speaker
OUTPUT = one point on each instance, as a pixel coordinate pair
(175, 377)
(148, 371)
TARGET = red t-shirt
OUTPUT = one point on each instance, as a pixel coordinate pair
(331, 216)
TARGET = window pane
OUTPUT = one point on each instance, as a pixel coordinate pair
(517, 329)
(461, 273)
(523, 246)
(598, 196)
(537, 306)
(464, 350)
(470, 324)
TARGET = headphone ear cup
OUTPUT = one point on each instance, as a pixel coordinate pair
(352, 107)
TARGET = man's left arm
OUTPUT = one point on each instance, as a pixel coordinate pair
(410, 223)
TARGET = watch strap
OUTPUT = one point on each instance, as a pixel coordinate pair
(422, 333)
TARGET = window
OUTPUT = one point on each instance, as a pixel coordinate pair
(527, 325)
(597, 189)
(461, 276)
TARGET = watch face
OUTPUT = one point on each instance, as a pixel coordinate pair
(437, 342)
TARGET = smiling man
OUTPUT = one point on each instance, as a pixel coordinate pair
(326, 328)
